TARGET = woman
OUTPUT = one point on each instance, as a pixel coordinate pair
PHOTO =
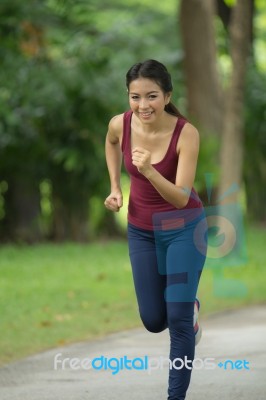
(166, 218)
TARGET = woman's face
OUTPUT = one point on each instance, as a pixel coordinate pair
(147, 100)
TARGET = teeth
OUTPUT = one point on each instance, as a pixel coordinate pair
(146, 114)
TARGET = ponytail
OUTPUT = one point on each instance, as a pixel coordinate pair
(170, 108)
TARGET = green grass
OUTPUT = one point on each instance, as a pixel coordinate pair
(56, 294)
(52, 295)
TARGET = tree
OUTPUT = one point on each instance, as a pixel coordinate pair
(46, 120)
(255, 145)
(22, 42)
(63, 65)
(232, 147)
(200, 65)
(222, 105)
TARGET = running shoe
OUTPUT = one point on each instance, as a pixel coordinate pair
(197, 327)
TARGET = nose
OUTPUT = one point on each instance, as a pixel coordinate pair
(143, 103)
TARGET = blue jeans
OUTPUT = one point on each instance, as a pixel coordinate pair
(167, 263)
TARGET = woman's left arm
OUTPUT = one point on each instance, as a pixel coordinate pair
(176, 193)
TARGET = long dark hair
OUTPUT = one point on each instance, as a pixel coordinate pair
(157, 72)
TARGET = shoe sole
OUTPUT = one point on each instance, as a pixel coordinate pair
(198, 334)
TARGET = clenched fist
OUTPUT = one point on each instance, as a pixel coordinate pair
(141, 158)
(114, 201)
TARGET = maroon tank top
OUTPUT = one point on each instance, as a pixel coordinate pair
(144, 200)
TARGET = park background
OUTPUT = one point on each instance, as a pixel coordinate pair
(64, 269)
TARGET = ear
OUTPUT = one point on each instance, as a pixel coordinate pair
(168, 98)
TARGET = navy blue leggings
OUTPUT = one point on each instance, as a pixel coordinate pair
(166, 264)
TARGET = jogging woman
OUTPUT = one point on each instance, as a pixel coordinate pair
(166, 220)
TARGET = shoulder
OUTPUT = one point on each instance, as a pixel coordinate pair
(189, 138)
(116, 122)
(115, 128)
(189, 132)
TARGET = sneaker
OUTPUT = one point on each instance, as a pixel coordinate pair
(197, 327)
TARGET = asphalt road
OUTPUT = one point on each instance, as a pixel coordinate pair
(230, 365)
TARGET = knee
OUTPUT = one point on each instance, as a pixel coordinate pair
(154, 324)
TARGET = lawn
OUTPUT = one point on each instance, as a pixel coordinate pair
(52, 294)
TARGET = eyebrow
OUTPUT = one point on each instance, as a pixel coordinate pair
(153, 91)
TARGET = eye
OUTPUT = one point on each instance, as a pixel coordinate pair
(152, 96)
(134, 97)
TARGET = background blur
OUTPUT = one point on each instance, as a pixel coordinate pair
(62, 77)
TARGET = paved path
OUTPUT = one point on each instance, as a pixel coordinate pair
(238, 335)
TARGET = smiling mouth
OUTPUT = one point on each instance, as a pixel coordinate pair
(145, 114)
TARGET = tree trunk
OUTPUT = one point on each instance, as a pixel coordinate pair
(205, 105)
(233, 138)
(109, 227)
(22, 208)
(255, 180)
(224, 12)
(70, 209)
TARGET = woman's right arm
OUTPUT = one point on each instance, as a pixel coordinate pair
(113, 156)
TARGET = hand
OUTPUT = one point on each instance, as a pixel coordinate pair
(141, 158)
(114, 201)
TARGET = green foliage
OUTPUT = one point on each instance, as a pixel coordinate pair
(230, 3)
(255, 143)
(63, 65)
(255, 111)
(62, 79)
(207, 163)
(260, 36)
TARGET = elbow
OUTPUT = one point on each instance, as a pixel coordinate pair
(183, 198)
(183, 203)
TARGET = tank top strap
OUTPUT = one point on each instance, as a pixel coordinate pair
(178, 129)
(125, 144)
